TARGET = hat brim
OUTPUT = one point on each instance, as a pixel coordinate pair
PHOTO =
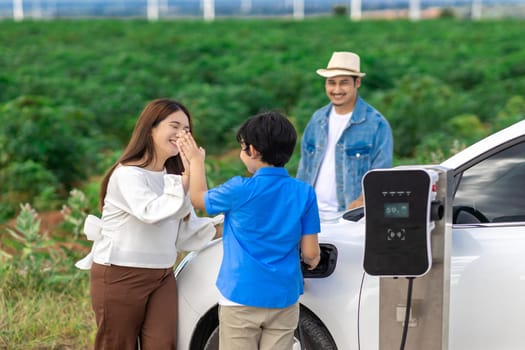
(330, 73)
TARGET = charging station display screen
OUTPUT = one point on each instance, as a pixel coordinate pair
(396, 210)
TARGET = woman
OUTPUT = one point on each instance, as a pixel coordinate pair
(146, 216)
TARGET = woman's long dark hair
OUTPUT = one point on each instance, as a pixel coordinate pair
(141, 146)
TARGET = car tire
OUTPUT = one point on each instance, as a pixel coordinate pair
(311, 333)
(213, 341)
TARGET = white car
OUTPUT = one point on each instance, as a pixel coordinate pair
(340, 306)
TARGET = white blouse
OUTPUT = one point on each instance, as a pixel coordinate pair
(145, 221)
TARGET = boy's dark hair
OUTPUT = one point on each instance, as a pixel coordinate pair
(271, 134)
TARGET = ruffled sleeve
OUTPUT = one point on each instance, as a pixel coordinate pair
(196, 232)
(92, 230)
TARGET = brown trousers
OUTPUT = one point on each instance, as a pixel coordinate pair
(134, 306)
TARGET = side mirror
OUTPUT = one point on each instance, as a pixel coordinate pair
(355, 214)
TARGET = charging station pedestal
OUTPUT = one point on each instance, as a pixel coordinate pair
(405, 240)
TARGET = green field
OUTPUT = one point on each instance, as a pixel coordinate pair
(70, 93)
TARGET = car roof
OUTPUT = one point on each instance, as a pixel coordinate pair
(488, 143)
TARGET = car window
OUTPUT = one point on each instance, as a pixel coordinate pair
(493, 190)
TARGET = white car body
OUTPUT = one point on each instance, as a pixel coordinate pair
(487, 281)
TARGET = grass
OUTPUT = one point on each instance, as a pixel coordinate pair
(44, 298)
(47, 319)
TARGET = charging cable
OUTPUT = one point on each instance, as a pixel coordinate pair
(407, 312)
(359, 312)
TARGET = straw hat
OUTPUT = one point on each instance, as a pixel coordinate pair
(342, 63)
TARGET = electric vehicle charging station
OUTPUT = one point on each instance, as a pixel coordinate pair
(408, 221)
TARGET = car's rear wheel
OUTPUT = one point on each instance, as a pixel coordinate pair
(311, 334)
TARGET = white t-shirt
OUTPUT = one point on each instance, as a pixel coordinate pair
(325, 186)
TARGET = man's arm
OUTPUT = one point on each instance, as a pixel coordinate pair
(358, 202)
(383, 153)
(381, 157)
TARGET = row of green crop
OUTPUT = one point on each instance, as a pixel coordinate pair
(70, 91)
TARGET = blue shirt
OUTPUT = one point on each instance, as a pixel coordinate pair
(265, 218)
(366, 143)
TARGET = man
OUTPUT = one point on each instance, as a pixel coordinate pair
(343, 140)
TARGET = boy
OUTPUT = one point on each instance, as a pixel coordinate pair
(268, 218)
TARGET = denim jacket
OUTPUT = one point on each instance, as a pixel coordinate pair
(365, 143)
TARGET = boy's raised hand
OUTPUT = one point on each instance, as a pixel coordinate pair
(194, 155)
(189, 149)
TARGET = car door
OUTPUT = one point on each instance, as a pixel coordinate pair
(488, 251)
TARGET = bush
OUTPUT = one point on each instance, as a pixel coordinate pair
(61, 138)
(416, 108)
(512, 112)
(32, 260)
(46, 149)
(24, 182)
(438, 146)
(339, 10)
(447, 12)
(75, 212)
